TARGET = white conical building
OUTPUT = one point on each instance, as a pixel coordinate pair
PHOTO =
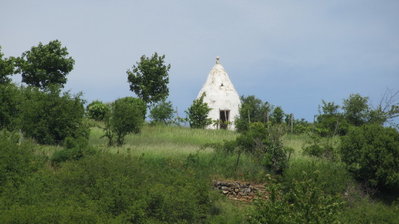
(221, 97)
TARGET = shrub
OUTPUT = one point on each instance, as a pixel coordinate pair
(252, 109)
(17, 161)
(97, 110)
(332, 177)
(10, 106)
(371, 153)
(301, 201)
(198, 113)
(162, 112)
(75, 149)
(49, 117)
(319, 147)
(127, 116)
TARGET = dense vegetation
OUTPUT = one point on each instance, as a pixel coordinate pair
(60, 163)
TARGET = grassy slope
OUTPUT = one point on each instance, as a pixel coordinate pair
(163, 140)
(179, 142)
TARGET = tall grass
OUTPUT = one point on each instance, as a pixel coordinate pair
(163, 141)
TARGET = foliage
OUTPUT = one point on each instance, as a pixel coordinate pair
(330, 122)
(110, 188)
(302, 201)
(11, 98)
(126, 116)
(49, 117)
(149, 78)
(262, 143)
(332, 176)
(252, 109)
(162, 112)
(17, 161)
(319, 147)
(371, 153)
(7, 68)
(45, 65)
(74, 149)
(198, 113)
(277, 115)
(97, 110)
(356, 109)
(370, 212)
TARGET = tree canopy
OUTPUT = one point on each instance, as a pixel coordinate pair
(45, 65)
(6, 68)
(149, 78)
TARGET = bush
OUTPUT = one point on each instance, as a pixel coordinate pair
(75, 149)
(162, 112)
(97, 110)
(332, 177)
(252, 109)
(109, 188)
(319, 147)
(266, 145)
(17, 161)
(10, 106)
(198, 113)
(127, 116)
(301, 201)
(49, 117)
(370, 212)
(371, 153)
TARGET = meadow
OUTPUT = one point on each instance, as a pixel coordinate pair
(164, 174)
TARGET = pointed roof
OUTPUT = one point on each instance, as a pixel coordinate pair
(218, 81)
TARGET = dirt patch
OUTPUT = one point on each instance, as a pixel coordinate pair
(241, 191)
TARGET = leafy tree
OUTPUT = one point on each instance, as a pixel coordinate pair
(252, 110)
(277, 115)
(11, 98)
(356, 109)
(198, 113)
(330, 121)
(49, 117)
(97, 110)
(149, 78)
(7, 68)
(371, 153)
(127, 116)
(45, 65)
(162, 112)
(329, 108)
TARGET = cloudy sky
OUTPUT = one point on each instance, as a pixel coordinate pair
(289, 53)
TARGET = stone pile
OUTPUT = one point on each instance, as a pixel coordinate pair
(238, 191)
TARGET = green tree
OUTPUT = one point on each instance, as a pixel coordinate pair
(277, 115)
(371, 153)
(45, 65)
(11, 98)
(49, 117)
(149, 78)
(356, 109)
(252, 110)
(198, 113)
(7, 68)
(127, 116)
(97, 110)
(162, 112)
(330, 121)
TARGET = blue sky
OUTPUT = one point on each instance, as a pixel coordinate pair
(289, 53)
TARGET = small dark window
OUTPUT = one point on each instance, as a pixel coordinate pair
(224, 118)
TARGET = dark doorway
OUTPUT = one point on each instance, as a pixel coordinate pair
(224, 118)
